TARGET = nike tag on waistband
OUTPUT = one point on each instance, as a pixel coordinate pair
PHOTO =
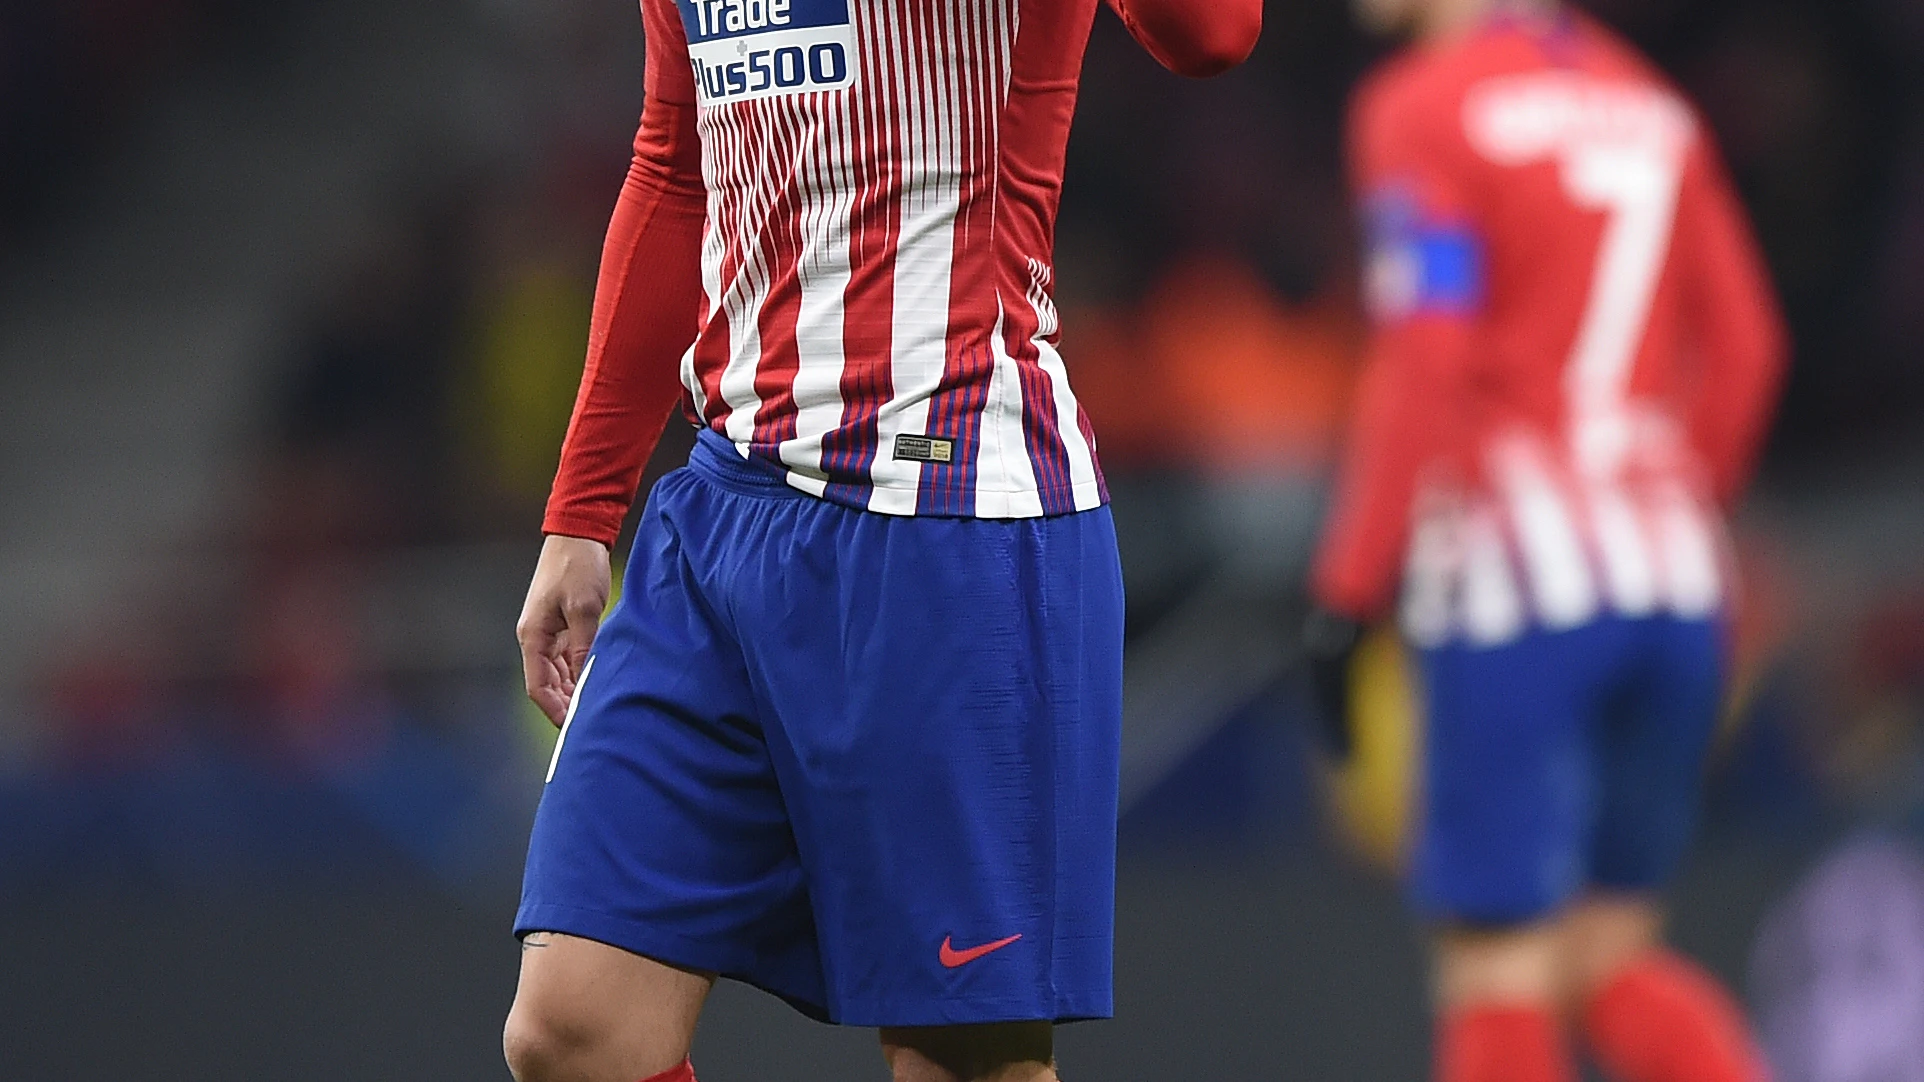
(924, 449)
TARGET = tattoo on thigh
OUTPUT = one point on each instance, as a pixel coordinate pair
(534, 941)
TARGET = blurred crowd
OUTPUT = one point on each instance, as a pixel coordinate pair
(75, 75)
(1207, 276)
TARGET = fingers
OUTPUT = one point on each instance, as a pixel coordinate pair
(552, 657)
(548, 679)
(559, 620)
(546, 686)
(576, 641)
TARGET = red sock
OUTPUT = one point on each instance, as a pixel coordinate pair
(1665, 1020)
(1502, 1044)
(683, 1073)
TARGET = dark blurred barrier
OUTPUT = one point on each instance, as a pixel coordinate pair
(1290, 968)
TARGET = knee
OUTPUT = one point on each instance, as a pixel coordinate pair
(1604, 936)
(1477, 967)
(541, 1045)
(587, 1010)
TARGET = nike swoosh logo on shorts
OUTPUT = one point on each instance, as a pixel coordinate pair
(955, 959)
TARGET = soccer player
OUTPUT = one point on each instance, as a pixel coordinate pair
(1575, 354)
(851, 733)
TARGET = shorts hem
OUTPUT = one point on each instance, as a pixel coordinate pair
(974, 1012)
(1512, 913)
(1639, 883)
(1489, 914)
(684, 953)
(650, 942)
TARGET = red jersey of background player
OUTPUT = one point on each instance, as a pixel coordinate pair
(1576, 348)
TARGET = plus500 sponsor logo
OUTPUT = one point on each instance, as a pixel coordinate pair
(742, 50)
(762, 73)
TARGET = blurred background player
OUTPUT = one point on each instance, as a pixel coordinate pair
(852, 733)
(1575, 355)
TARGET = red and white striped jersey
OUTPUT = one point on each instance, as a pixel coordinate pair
(879, 183)
(1577, 347)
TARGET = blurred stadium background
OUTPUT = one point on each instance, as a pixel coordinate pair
(292, 302)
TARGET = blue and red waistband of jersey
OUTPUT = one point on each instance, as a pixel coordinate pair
(720, 460)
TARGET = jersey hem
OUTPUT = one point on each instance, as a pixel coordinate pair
(731, 463)
(1010, 504)
(1425, 636)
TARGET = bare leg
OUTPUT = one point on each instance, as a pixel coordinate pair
(1010, 1052)
(588, 1012)
(1649, 1014)
(1498, 1000)
(1604, 933)
(1506, 967)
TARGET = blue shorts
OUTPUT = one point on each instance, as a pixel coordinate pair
(868, 763)
(1562, 761)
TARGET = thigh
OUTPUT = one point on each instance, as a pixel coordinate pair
(1651, 751)
(662, 830)
(948, 696)
(599, 1011)
(1507, 779)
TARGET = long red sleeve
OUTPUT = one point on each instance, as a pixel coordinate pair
(647, 303)
(1411, 417)
(1741, 338)
(1197, 38)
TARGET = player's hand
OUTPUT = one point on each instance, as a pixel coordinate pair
(558, 621)
(1329, 646)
